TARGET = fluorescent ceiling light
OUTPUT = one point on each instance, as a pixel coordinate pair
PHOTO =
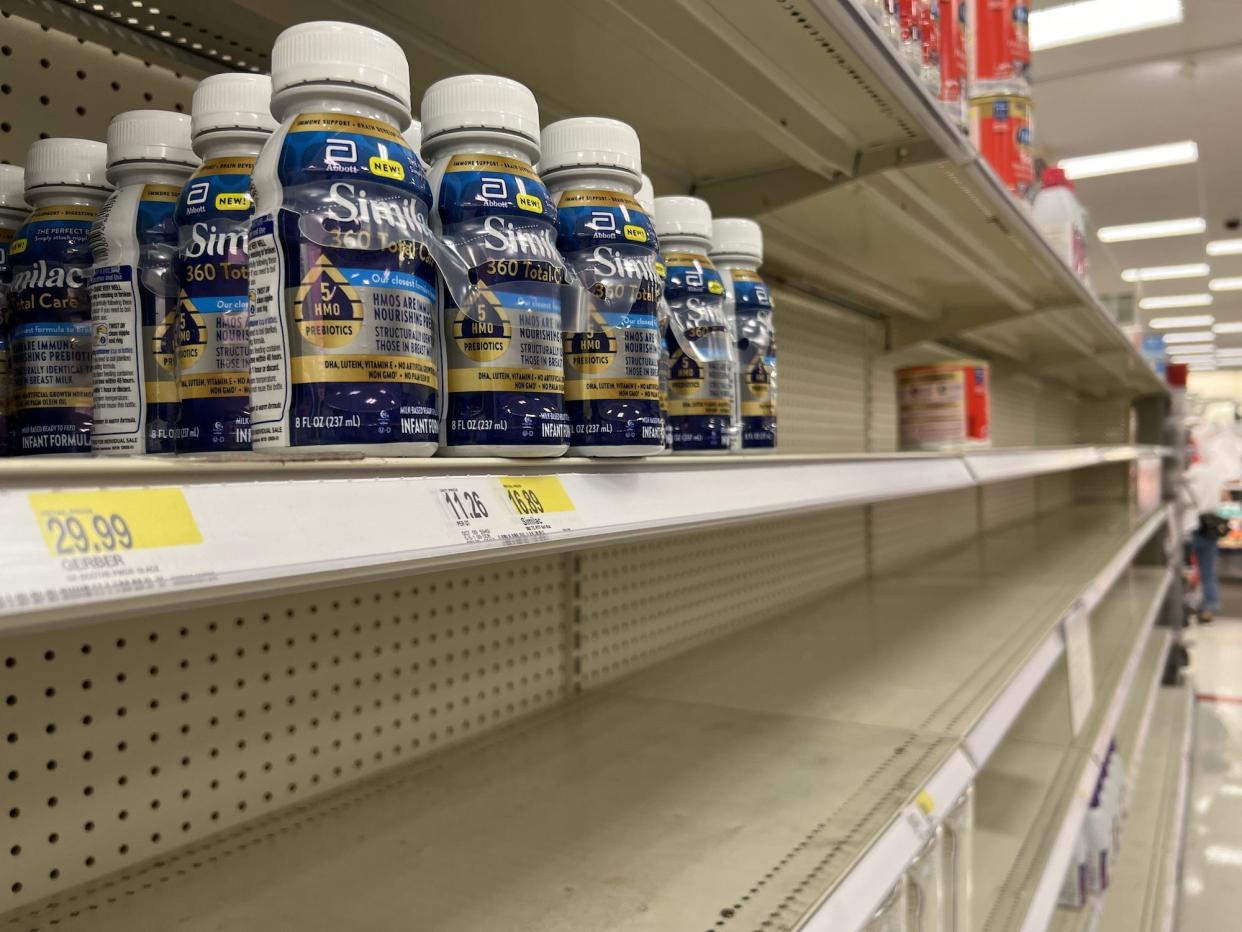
(1195, 349)
(1225, 284)
(1231, 327)
(1186, 320)
(1188, 336)
(1160, 273)
(1183, 226)
(1175, 300)
(1129, 160)
(1224, 247)
(1229, 352)
(1201, 366)
(1098, 19)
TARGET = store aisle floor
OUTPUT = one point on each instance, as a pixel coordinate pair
(1212, 872)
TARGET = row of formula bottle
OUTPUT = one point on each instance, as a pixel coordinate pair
(284, 271)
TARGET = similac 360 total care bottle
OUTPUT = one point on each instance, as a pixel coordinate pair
(646, 200)
(611, 336)
(342, 282)
(501, 294)
(230, 120)
(49, 299)
(737, 251)
(702, 354)
(13, 211)
(134, 286)
(1061, 219)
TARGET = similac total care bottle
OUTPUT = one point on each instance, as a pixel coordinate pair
(737, 251)
(49, 298)
(646, 199)
(502, 289)
(134, 286)
(611, 336)
(342, 282)
(13, 211)
(230, 121)
(702, 356)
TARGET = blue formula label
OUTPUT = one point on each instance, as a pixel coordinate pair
(756, 352)
(7, 234)
(611, 340)
(342, 303)
(701, 387)
(503, 358)
(213, 348)
(134, 311)
(50, 335)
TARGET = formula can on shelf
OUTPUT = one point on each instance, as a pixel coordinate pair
(1000, 128)
(1001, 46)
(954, 27)
(943, 405)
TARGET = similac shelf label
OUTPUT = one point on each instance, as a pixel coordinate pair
(51, 336)
(503, 347)
(342, 335)
(508, 510)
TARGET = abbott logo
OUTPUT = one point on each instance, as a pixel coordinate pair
(340, 152)
(197, 194)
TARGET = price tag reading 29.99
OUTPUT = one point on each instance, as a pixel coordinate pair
(101, 522)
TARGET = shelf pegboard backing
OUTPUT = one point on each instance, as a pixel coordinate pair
(52, 84)
(1002, 503)
(1054, 491)
(822, 375)
(908, 528)
(641, 603)
(121, 741)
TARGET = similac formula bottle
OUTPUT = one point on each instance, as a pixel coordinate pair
(501, 297)
(702, 354)
(49, 298)
(413, 137)
(134, 286)
(230, 120)
(611, 337)
(342, 301)
(646, 200)
(737, 251)
(1061, 219)
(13, 211)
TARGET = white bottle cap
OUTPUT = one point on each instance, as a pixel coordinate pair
(646, 197)
(683, 216)
(413, 136)
(73, 162)
(150, 136)
(340, 53)
(479, 101)
(595, 142)
(232, 101)
(13, 188)
(737, 236)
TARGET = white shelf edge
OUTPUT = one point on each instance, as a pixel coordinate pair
(1044, 902)
(850, 904)
(356, 526)
(1172, 869)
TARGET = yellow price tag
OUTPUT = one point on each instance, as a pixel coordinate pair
(536, 495)
(99, 521)
(925, 802)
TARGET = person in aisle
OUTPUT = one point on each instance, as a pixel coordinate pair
(1216, 459)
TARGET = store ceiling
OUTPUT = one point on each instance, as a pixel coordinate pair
(1157, 86)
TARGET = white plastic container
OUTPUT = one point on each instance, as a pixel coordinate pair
(1062, 220)
(503, 278)
(13, 211)
(343, 342)
(646, 199)
(1075, 891)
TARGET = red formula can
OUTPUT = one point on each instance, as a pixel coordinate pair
(1000, 128)
(943, 406)
(953, 60)
(1002, 45)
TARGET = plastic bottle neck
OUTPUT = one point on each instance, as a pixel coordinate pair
(591, 178)
(149, 173)
(483, 142)
(679, 243)
(69, 194)
(222, 144)
(11, 219)
(338, 98)
(736, 260)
